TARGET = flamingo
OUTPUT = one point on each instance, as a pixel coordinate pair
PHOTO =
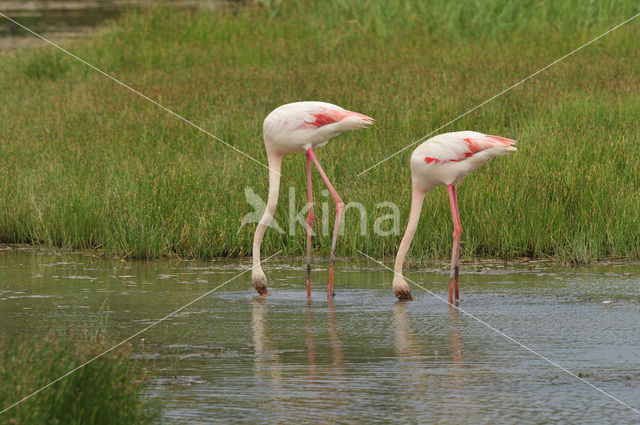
(445, 159)
(301, 127)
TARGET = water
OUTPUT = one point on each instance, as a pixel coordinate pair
(74, 17)
(233, 357)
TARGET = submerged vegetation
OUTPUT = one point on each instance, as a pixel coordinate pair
(86, 164)
(106, 391)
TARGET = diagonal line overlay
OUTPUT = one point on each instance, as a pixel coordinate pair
(180, 117)
(133, 336)
(499, 94)
(508, 337)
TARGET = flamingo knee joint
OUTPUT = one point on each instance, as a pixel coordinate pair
(311, 219)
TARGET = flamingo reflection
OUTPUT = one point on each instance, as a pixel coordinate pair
(417, 362)
(454, 343)
(269, 364)
(337, 359)
(267, 360)
(309, 340)
(334, 339)
(407, 347)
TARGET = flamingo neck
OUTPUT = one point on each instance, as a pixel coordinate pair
(417, 198)
(275, 164)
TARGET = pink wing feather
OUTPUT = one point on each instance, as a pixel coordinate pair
(325, 116)
(453, 147)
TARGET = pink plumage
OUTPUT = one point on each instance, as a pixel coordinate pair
(301, 127)
(325, 116)
(470, 146)
(445, 159)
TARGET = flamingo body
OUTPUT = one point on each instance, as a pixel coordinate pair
(301, 127)
(445, 159)
(450, 157)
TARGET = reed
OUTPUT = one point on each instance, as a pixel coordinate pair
(106, 391)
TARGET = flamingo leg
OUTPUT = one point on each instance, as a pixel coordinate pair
(310, 220)
(339, 210)
(455, 253)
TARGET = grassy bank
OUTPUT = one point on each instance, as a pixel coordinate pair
(85, 163)
(107, 391)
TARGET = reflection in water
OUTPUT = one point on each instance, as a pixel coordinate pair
(454, 340)
(334, 338)
(336, 371)
(309, 340)
(325, 382)
(267, 360)
(364, 360)
(457, 367)
(410, 355)
(410, 352)
(407, 348)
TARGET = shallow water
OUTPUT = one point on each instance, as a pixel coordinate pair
(364, 358)
(73, 17)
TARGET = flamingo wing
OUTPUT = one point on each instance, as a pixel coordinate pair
(458, 146)
(302, 125)
(314, 115)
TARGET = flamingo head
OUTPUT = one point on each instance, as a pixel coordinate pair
(260, 282)
(401, 288)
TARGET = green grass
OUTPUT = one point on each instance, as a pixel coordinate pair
(107, 391)
(86, 164)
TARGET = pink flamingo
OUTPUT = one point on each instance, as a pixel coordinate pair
(298, 127)
(445, 159)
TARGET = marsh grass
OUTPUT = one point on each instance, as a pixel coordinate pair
(85, 164)
(107, 391)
